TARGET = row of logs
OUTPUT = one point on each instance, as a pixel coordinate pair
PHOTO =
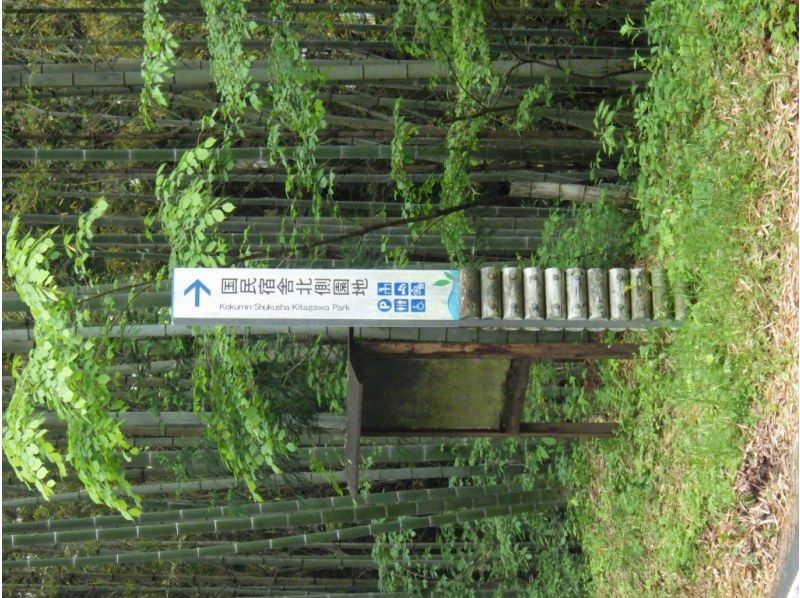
(618, 294)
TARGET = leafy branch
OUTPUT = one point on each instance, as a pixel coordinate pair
(65, 374)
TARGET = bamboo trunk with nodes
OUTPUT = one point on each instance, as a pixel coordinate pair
(511, 507)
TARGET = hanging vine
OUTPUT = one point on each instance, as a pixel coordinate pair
(158, 60)
(241, 421)
(66, 374)
(472, 85)
(295, 108)
(228, 26)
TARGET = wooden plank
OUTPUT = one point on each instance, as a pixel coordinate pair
(535, 352)
(517, 381)
(355, 395)
(527, 430)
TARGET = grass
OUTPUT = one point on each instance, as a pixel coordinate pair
(708, 139)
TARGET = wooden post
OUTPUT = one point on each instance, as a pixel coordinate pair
(597, 283)
(491, 293)
(469, 298)
(555, 293)
(680, 300)
(619, 298)
(577, 301)
(658, 282)
(352, 438)
(640, 295)
(513, 298)
(517, 381)
(533, 284)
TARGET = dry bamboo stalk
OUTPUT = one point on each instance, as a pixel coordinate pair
(597, 286)
(640, 295)
(469, 297)
(491, 293)
(619, 298)
(577, 300)
(533, 284)
(513, 297)
(658, 282)
(555, 294)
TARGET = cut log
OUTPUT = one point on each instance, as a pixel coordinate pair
(555, 294)
(619, 297)
(491, 293)
(469, 298)
(597, 284)
(577, 301)
(513, 295)
(658, 282)
(641, 308)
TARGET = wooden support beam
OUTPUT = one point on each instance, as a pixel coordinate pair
(517, 380)
(533, 352)
(355, 396)
(527, 430)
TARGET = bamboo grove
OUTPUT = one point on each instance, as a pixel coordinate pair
(145, 135)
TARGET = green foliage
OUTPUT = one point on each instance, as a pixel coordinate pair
(66, 374)
(474, 84)
(616, 138)
(187, 213)
(533, 552)
(395, 569)
(653, 491)
(597, 235)
(296, 108)
(538, 96)
(228, 26)
(415, 199)
(242, 420)
(465, 48)
(77, 246)
(252, 406)
(158, 59)
(325, 375)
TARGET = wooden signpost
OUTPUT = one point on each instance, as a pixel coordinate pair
(401, 388)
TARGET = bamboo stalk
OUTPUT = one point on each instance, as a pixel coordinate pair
(491, 293)
(500, 225)
(366, 46)
(491, 176)
(545, 150)
(577, 300)
(507, 210)
(372, 529)
(641, 306)
(391, 68)
(297, 504)
(555, 294)
(334, 516)
(320, 7)
(234, 580)
(569, 192)
(295, 480)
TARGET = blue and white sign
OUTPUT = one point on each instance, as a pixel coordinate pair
(351, 297)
